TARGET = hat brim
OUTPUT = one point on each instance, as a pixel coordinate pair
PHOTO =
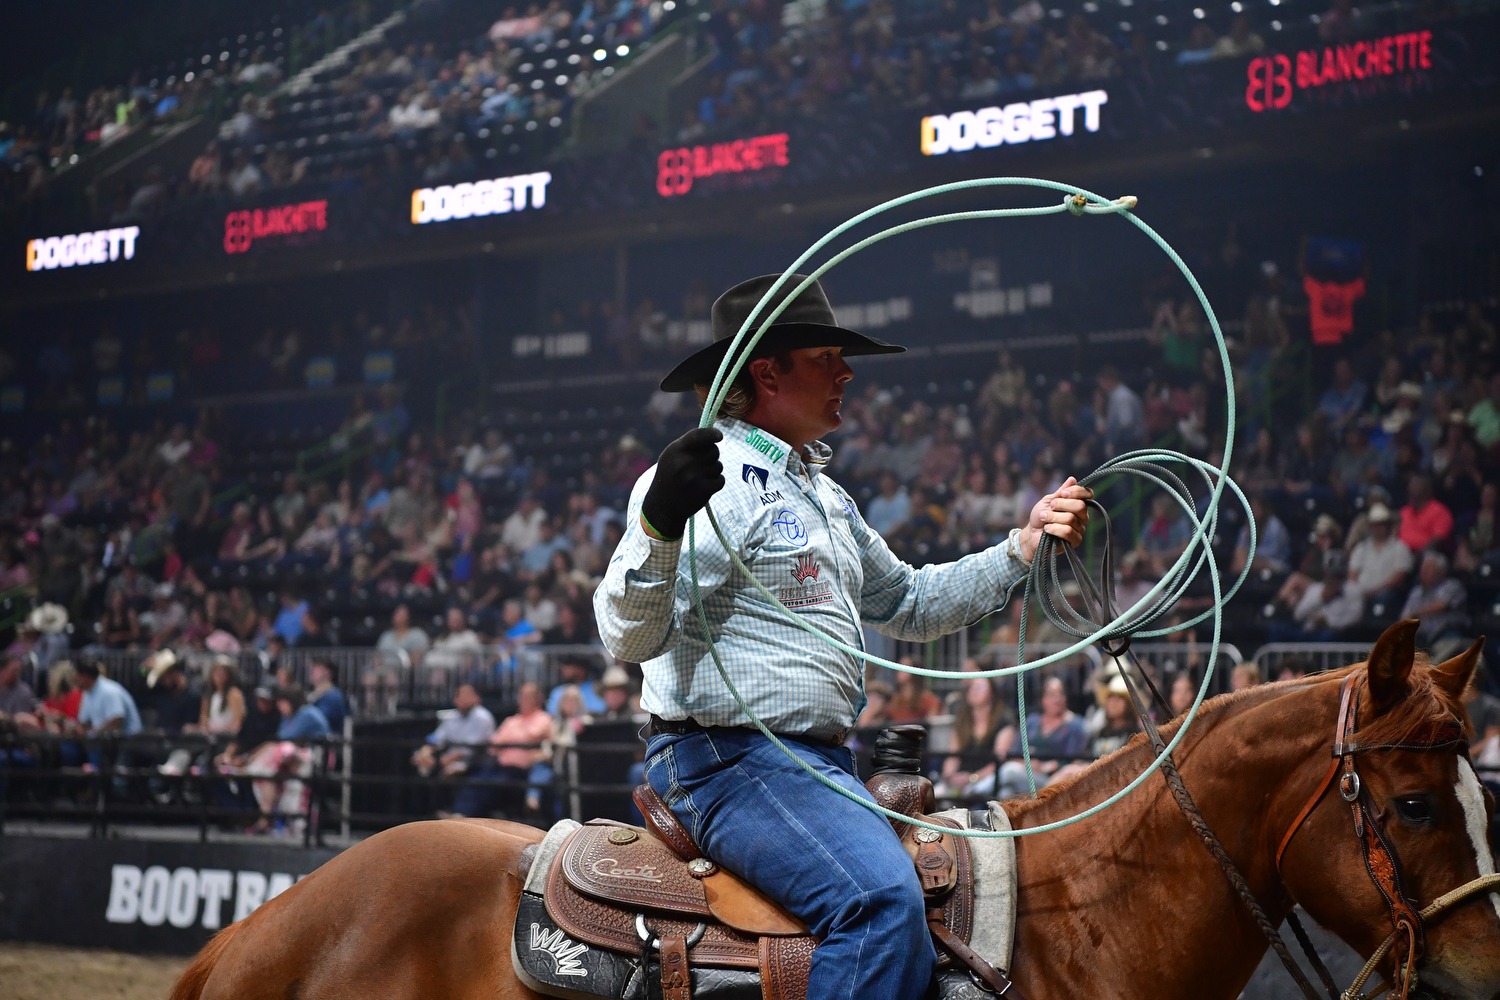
(700, 367)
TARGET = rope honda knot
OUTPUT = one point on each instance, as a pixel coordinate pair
(1076, 203)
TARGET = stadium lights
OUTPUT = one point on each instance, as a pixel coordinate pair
(1199, 13)
(622, 50)
(600, 55)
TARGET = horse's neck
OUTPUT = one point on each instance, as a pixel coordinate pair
(1129, 901)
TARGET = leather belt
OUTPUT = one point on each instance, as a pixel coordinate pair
(682, 727)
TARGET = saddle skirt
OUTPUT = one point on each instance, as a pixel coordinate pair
(606, 904)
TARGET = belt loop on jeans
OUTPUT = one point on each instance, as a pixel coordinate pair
(682, 727)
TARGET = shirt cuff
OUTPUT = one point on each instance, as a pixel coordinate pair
(1013, 548)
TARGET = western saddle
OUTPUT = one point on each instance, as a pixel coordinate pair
(623, 894)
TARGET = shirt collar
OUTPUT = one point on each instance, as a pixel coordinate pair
(815, 455)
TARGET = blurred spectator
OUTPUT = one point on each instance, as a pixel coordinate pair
(325, 695)
(1437, 599)
(16, 696)
(616, 689)
(1326, 609)
(278, 767)
(1344, 400)
(1273, 545)
(574, 672)
(449, 748)
(106, 705)
(890, 509)
(1055, 735)
(222, 708)
(1122, 423)
(979, 719)
(402, 636)
(1381, 563)
(1240, 42)
(912, 701)
(1244, 675)
(874, 716)
(1425, 521)
(1182, 692)
(516, 747)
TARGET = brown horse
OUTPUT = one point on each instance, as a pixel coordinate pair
(1126, 904)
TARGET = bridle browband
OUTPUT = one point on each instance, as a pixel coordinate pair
(1407, 938)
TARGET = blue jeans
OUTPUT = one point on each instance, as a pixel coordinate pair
(834, 864)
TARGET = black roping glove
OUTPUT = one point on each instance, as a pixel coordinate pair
(687, 475)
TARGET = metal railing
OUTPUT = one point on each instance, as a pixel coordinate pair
(106, 782)
(1308, 657)
(378, 683)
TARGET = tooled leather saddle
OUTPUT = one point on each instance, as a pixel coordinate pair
(630, 911)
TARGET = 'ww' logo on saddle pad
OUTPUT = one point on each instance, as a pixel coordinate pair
(564, 952)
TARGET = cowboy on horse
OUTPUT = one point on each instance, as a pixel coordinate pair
(829, 861)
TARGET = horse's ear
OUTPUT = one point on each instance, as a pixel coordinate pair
(1390, 664)
(1453, 675)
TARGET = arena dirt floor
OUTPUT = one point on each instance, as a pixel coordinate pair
(42, 972)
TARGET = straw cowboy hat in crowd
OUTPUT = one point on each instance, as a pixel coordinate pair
(157, 665)
(48, 619)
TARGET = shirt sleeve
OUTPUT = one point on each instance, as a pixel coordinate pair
(646, 591)
(921, 604)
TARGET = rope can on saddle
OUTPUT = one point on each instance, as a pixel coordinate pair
(613, 910)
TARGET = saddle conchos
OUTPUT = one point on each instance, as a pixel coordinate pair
(612, 910)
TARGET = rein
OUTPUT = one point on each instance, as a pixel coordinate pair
(1100, 601)
(1408, 924)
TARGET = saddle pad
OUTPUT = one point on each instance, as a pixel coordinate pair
(994, 858)
(541, 863)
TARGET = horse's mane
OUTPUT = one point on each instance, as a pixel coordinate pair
(1424, 704)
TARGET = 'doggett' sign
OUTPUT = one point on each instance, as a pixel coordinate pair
(1023, 121)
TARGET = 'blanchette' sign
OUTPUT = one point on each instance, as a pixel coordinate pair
(244, 227)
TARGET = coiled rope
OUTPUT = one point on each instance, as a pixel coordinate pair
(1042, 580)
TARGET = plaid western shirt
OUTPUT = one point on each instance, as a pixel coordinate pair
(802, 536)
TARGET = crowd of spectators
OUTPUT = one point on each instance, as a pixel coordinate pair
(246, 62)
(422, 106)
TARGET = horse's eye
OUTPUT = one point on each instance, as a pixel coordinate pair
(1415, 809)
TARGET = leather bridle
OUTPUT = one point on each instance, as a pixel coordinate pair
(1383, 864)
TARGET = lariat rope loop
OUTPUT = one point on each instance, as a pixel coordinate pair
(1196, 557)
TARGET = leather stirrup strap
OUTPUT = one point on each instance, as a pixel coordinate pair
(676, 983)
(993, 979)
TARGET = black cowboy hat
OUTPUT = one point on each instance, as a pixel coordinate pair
(807, 322)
